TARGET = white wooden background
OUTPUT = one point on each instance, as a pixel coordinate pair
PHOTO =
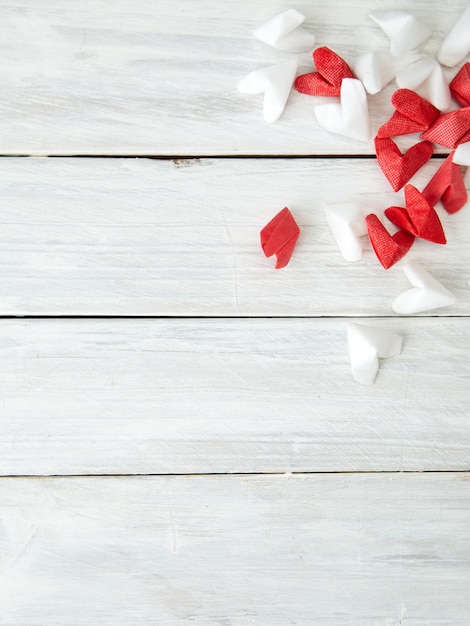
(181, 439)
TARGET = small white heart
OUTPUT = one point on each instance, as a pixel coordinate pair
(456, 45)
(426, 77)
(350, 116)
(427, 292)
(276, 82)
(366, 346)
(347, 223)
(462, 154)
(282, 31)
(405, 31)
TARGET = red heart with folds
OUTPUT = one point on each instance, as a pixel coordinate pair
(419, 218)
(326, 81)
(398, 167)
(450, 129)
(413, 114)
(388, 248)
(279, 237)
(460, 85)
(447, 185)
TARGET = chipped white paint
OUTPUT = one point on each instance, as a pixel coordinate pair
(143, 77)
(184, 396)
(266, 550)
(151, 237)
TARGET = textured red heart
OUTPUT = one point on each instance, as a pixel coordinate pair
(398, 167)
(326, 81)
(419, 218)
(413, 114)
(450, 129)
(388, 248)
(460, 85)
(447, 185)
(279, 237)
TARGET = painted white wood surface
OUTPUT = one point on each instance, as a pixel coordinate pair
(197, 396)
(265, 550)
(157, 237)
(143, 77)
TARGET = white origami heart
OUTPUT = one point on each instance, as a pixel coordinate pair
(462, 154)
(348, 224)
(427, 79)
(366, 346)
(456, 45)
(350, 116)
(282, 31)
(378, 68)
(276, 82)
(427, 293)
(405, 31)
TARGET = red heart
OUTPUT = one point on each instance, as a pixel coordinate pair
(412, 114)
(460, 85)
(450, 129)
(279, 237)
(326, 81)
(389, 249)
(419, 218)
(398, 167)
(447, 185)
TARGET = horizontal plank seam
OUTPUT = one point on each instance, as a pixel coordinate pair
(227, 316)
(201, 157)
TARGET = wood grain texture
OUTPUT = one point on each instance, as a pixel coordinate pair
(198, 396)
(143, 77)
(157, 237)
(218, 551)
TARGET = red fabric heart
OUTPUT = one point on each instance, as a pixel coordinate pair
(460, 85)
(398, 167)
(389, 249)
(279, 237)
(419, 218)
(413, 114)
(326, 81)
(450, 129)
(447, 185)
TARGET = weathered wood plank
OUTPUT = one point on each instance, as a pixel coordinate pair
(334, 550)
(146, 77)
(153, 237)
(192, 396)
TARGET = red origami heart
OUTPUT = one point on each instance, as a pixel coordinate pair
(419, 218)
(398, 167)
(279, 237)
(326, 81)
(460, 85)
(447, 185)
(413, 114)
(388, 248)
(450, 129)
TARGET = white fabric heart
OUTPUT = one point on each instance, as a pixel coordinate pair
(350, 116)
(456, 45)
(427, 79)
(378, 68)
(276, 82)
(462, 154)
(348, 224)
(427, 292)
(405, 31)
(366, 346)
(282, 31)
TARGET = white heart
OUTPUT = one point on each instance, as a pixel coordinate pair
(378, 68)
(427, 79)
(427, 293)
(350, 116)
(282, 31)
(366, 346)
(405, 31)
(276, 82)
(462, 154)
(347, 223)
(456, 45)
